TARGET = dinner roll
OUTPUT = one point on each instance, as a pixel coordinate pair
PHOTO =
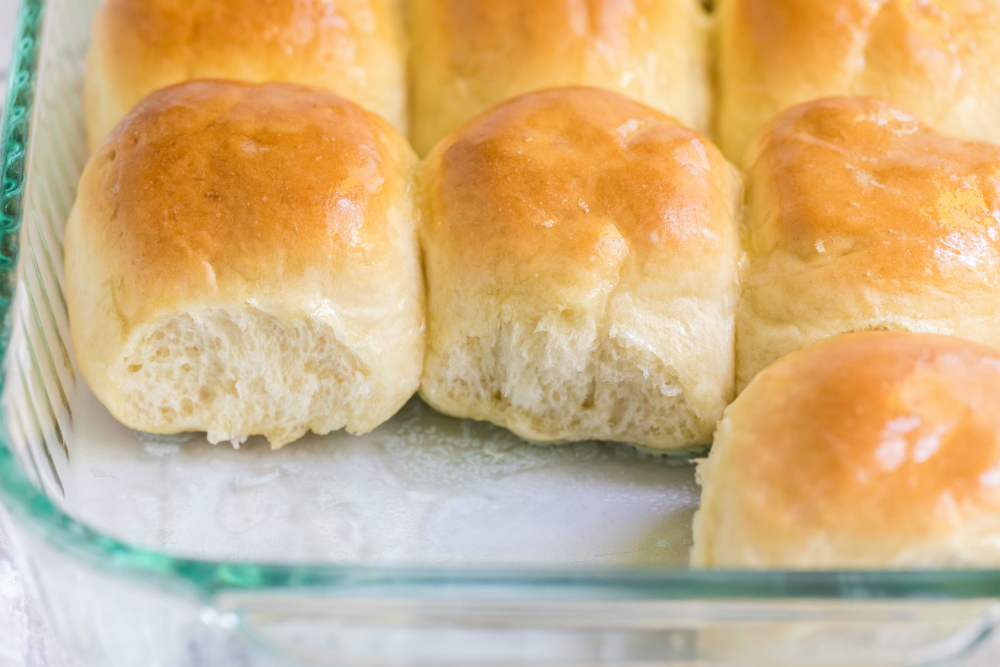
(580, 250)
(242, 259)
(353, 47)
(938, 58)
(870, 450)
(859, 217)
(468, 55)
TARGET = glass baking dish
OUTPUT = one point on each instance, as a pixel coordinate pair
(431, 541)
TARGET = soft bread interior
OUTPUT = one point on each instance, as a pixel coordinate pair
(564, 374)
(238, 372)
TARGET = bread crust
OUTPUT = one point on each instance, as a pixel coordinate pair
(272, 201)
(861, 217)
(352, 47)
(937, 59)
(471, 54)
(869, 450)
(581, 250)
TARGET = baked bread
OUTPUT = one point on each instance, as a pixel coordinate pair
(242, 259)
(870, 450)
(580, 251)
(353, 47)
(937, 58)
(471, 54)
(859, 217)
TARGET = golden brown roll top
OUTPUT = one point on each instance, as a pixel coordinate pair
(242, 259)
(860, 217)
(870, 450)
(581, 252)
(471, 54)
(938, 58)
(353, 47)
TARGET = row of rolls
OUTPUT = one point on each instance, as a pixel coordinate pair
(569, 260)
(428, 66)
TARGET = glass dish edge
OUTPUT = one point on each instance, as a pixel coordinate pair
(36, 514)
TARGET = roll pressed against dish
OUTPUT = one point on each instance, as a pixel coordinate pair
(581, 253)
(877, 450)
(352, 47)
(860, 217)
(242, 259)
(468, 55)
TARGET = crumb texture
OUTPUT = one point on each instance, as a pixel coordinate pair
(559, 376)
(240, 373)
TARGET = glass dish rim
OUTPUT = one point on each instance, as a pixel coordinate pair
(36, 514)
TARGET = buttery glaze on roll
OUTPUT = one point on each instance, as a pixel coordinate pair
(859, 217)
(242, 259)
(871, 450)
(580, 250)
(937, 58)
(471, 54)
(353, 47)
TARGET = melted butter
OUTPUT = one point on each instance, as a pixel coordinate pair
(880, 190)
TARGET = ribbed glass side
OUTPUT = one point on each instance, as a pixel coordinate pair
(40, 378)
